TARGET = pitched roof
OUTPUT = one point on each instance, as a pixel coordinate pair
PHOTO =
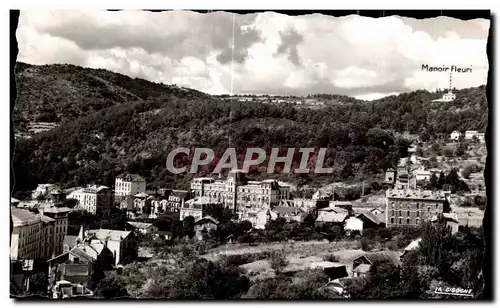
(179, 193)
(362, 268)
(391, 256)
(81, 254)
(413, 245)
(140, 225)
(141, 195)
(283, 210)
(47, 219)
(54, 209)
(331, 216)
(376, 219)
(205, 218)
(131, 177)
(106, 234)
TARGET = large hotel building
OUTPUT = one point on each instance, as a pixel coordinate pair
(240, 194)
(411, 206)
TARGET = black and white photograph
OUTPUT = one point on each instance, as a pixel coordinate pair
(250, 155)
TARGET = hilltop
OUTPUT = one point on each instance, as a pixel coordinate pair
(112, 123)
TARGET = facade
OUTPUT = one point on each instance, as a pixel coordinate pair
(93, 198)
(239, 194)
(455, 135)
(60, 227)
(411, 207)
(129, 185)
(26, 234)
(194, 207)
(47, 237)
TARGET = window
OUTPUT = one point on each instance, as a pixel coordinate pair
(400, 221)
(417, 221)
(407, 213)
(407, 221)
(399, 213)
(418, 205)
(418, 214)
(392, 204)
(392, 213)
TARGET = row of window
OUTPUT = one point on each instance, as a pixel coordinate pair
(400, 213)
(402, 221)
(408, 205)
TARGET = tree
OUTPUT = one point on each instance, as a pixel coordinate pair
(188, 226)
(309, 221)
(111, 287)
(39, 283)
(434, 182)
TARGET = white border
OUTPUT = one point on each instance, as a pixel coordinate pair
(190, 4)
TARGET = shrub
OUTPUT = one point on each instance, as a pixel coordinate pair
(331, 258)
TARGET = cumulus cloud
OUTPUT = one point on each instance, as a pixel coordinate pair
(261, 53)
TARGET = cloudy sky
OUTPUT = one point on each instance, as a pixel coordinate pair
(273, 53)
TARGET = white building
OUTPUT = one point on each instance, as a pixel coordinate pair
(93, 198)
(129, 185)
(448, 97)
(353, 224)
(455, 135)
(471, 134)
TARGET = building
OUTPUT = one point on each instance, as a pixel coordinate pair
(450, 219)
(176, 199)
(144, 227)
(93, 198)
(362, 264)
(371, 220)
(204, 225)
(411, 207)
(470, 134)
(390, 177)
(261, 218)
(415, 244)
(240, 194)
(47, 237)
(480, 137)
(60, 226)
(26, 235)
(448, 97)
(331, 215)
(120, 243)
(289, 213)
(455, 135)
(43, 190)
(422, 175)
(63, 289)
(194, 207)
(129, 185)
(353, 225)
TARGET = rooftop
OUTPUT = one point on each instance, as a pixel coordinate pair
(415, 194)
(131, 177)
(106, 234)
(140, 225)
(22, 217)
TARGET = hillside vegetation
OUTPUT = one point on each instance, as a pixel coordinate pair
(112, 123)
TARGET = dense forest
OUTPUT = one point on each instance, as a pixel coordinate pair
(112, 123)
